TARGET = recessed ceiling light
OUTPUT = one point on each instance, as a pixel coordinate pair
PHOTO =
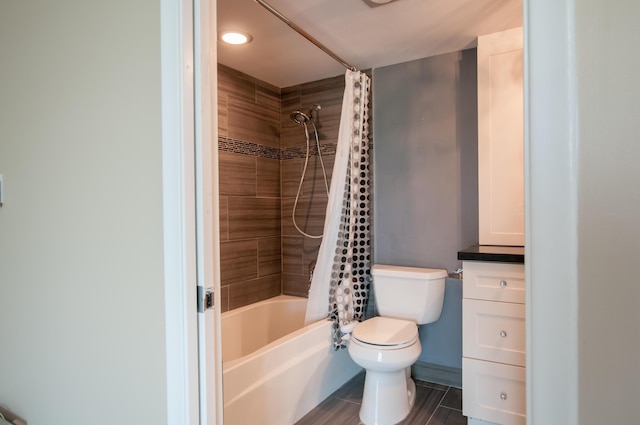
(235, 37)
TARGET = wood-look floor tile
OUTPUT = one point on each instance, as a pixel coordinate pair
(237, 174)
(332, 411)
(238, 261)
(253, 217)
(352, 390)
(427, 400)
(245, 293)
(446, 416)
(268, 177)
(269, 256)
(453, 399)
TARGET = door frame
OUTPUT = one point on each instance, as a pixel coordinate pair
(193, 361)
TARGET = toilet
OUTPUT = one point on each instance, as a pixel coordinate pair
(387, 345)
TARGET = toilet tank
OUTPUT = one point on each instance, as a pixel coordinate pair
(410, 293)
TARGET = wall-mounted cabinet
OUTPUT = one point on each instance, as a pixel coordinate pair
(500, 139)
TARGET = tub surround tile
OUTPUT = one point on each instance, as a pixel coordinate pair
(252, 291)
(238, 175)
(224, 218)
(253, 217)
(269, 255)
(314, 184)
(236, 84)
(268, 95)
(295, 284)
(268, 177)
(310, 213)
(310, 248)
(290, 172)
(238, 261)
(253, 122)
(292, 254)
(224, 299)
(223, 116)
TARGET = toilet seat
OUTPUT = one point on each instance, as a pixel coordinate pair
(385, 333)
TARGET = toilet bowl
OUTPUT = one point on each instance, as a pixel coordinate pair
(386, 348)
(387, 345)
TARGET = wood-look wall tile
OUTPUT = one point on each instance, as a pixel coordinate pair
(236, 84)
(253, 123)
(310, 213)
(249, 292)
(268, 95)
(224, 218)
(238, 261)
(310, 248)
(223, 116)
(328, 123)
(269, 256)
(253, 217)
(290, 173)
(224, 299)
(326, 92)
(238, 174)
(292, 254)
(314, 179)
(268, 177)
(295, 284)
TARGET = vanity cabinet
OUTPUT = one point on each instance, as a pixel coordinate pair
(493, 343)
(501, 139)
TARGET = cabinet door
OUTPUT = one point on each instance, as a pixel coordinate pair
(493, 331)
(500, 139)
(494, 392)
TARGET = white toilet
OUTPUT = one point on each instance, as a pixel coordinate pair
(386, 346)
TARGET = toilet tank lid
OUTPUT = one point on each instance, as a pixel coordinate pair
(402, 271)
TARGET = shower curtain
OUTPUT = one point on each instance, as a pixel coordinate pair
(341, 279)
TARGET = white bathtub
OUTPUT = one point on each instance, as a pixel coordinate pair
(275, 370)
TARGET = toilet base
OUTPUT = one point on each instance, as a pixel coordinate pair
(388, 397)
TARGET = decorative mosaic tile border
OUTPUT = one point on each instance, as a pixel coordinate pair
(247, 148)
(253, 149)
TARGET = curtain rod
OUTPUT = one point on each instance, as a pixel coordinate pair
(305, 34)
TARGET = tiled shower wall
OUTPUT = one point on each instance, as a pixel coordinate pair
(261, 157)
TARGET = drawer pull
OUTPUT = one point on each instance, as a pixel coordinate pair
(503, 283)
(503, 334)
(503, 396)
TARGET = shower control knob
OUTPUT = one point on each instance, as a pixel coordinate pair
(503, 334)
(503, 396)
(503, 283)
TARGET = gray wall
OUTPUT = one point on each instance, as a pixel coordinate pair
(425, 178)
(82, 323)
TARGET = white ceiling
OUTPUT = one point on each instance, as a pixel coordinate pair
(364, 36)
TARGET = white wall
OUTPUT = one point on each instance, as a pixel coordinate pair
(81, 268)
(607, 34)
(583, 204)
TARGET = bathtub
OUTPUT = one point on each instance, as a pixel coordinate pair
(275, 369)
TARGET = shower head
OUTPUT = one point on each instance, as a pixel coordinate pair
(301, 118)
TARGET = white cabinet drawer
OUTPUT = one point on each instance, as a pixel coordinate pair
(493, 392)
(494, 331)
(493, 281)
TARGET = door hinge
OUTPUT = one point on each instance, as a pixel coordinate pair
(205, 299)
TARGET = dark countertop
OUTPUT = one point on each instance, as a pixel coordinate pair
(503, 254)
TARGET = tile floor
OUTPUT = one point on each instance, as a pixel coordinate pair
(435, 405)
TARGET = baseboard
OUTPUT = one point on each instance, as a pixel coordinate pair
(438, 374)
